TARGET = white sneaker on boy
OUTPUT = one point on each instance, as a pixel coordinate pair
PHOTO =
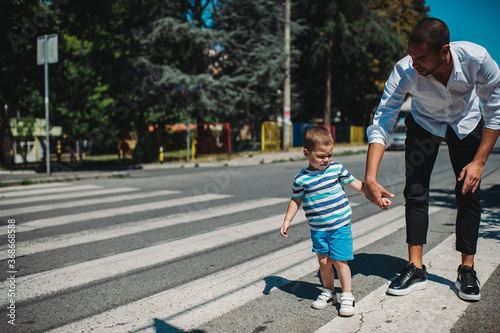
(347, 303)
(323, 300)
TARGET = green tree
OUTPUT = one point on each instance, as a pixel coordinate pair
(252, 55)
(21, 80)
(348, 51)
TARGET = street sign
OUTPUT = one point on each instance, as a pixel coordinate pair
(52, 56)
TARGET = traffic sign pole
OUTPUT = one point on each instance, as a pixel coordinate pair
(47, 144)
(47, 54)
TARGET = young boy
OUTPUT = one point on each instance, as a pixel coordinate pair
(319, 188)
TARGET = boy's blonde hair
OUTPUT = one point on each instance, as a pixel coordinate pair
(315, 135)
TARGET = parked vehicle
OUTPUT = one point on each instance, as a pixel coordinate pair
(398, 137)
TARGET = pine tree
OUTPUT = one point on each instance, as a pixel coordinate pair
(252, 56)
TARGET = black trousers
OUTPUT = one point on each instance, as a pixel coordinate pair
(420, 155)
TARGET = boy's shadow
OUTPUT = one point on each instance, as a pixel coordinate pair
(300, 289)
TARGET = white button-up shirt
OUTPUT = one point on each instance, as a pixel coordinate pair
(475, 77)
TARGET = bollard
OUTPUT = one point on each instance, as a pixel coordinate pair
(160, 156)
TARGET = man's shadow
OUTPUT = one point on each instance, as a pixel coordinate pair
(490, 216)
(366, 264)
(386, 266)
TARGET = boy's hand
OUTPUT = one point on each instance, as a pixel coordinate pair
(385, 203)
(375, 193)
(284, 228)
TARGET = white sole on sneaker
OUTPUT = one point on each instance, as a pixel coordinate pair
(347, 313)
(322, 305)
(402, 292)
(464, 296)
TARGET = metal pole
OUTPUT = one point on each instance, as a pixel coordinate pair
(47, 144)
(188, 139)
(286, 101)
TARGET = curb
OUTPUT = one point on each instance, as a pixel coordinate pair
(29, 177)
(62, 178)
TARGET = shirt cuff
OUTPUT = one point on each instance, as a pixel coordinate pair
(376, 134)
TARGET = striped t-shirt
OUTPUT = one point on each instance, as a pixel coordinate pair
(324, 200)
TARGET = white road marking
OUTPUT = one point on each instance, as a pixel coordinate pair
(65, 196)
(87, 202)
(48, 190)
(193, 203)
(435, 309)
(197, 302)
(51, 243)
(32, 187)
(50, 281)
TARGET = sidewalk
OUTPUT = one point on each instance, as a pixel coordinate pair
(27, 177)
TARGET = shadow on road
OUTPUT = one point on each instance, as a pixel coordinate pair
(381, 265)
(490, 203)
(490, 217)
(162, 327)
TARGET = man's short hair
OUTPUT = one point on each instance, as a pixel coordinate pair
(430, 31)
(317, 135)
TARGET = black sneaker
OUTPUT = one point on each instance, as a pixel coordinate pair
(467, 284)
(410, 279)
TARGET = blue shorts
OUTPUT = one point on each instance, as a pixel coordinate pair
(336, 243)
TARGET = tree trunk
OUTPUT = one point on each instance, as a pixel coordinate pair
(328, 89)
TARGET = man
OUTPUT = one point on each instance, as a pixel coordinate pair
(447, 81)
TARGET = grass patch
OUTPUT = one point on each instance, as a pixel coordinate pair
(27, 182)
(350, 152)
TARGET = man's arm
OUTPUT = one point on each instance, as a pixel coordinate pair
(373, 190)
(473, 171)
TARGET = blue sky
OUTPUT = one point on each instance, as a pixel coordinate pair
(474, 21)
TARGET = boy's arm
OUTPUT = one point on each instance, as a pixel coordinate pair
(293, 207)
(357, 185)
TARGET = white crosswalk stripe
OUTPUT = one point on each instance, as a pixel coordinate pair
(88, 202)
(434, 309)
(50, 243)
(66, 196)
(224, 291)
(112, 212)
(197, 302)
(45, 190)
(12, 189)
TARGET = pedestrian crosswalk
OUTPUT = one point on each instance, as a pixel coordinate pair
(380, 312)
(49, 207)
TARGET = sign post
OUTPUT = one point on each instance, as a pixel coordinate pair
(47, 54)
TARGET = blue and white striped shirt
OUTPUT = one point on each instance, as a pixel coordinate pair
(324, 200)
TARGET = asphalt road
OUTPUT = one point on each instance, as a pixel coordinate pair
(199, 250)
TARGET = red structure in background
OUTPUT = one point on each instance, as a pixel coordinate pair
(331, 128)
(214, 138)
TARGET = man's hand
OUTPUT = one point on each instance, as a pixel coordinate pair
(375, 193)
(471, 175)
(373, 190)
